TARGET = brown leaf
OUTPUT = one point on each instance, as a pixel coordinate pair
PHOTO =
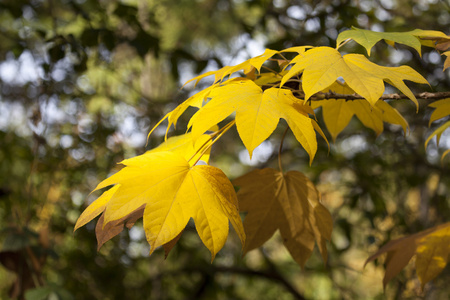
(287, 202)
(106, 232)
(400, 251)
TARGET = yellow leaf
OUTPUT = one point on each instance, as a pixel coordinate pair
(183, 145)
(254, 62)
(447, 60)
(322, 66)
(446, 152)
(438, 132)
(391, 115)
(337, 113)
(194, 101)
(368, 39)
(431, 38)
(432, 254)
(289, 203)
(442, 109)
(429, 251)
(257, 114)
(95, 208)
(298, 49)
(173, 192)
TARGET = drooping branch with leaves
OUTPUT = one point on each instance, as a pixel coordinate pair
(174, 182)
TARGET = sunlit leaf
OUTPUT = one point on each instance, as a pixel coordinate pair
(184, 146)
(172, 192)
(254, 62)
(322, 66)
(257, 114)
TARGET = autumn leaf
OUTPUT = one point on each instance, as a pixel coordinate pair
(185, 146)
(257, 114)
(95, 208)
(254, 62)
(442, 109)
(432, 38)
(431, 247)
(337, 113)
(415, 38)
(438, 132)
(286, 202)
(173, 192)
(194, 101)
(322, 66)
(368, 38)
(447, 60)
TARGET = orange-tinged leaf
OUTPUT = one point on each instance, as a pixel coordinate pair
(322, 66)
(169, 246)
(432, 38)
(173, 192)
(430, 253)
(286, 202)
(442, 109)
(105, 232)
(257, 114)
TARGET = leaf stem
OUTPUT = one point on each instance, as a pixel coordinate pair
(271, 70)
(279, 150)
(343, 43)
(216, 135)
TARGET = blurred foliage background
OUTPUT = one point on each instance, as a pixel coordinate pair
(81, 83)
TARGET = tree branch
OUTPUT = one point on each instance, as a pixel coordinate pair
(395, 96)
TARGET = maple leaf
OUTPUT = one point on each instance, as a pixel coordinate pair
(194, 101)
(254, 62)
(431, 247)
(438, 132)
(257, 114)
(432, 38)
(322, 66)
(447, 60)
(170, 192)
(286, 202)
(368, 38)
(442, 110)
(337, 113)
(185, 146)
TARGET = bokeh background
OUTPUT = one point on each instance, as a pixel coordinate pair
(83, 81)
